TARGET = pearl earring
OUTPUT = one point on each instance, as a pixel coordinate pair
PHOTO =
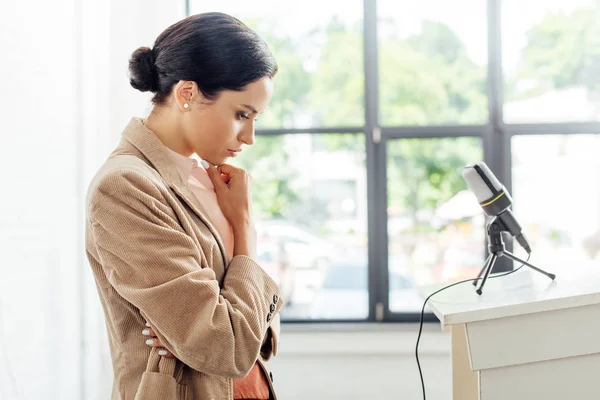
(186, 106)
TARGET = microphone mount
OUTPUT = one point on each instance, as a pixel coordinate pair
(497, 249)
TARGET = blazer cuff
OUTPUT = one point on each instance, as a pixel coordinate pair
(271, 342)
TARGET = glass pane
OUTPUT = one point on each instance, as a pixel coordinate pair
(551, 60)
(432, 62)
(435, 226)
(556, 195)
(310, 207)
(320, 55)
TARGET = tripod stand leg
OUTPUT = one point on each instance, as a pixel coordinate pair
(485, 265)
(487, 273)
(515, 258)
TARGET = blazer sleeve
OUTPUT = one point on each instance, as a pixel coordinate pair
(153, 264)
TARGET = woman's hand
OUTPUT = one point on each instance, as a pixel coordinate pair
(154, 341)
(234, 195)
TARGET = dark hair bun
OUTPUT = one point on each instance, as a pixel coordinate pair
(215, 50)
(143, 75)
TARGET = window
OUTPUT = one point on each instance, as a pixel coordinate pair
(311, 213)
(432, 62)
(551, 60)
(435, 226)
(378, 105)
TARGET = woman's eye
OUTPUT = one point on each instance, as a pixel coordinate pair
(242, 115)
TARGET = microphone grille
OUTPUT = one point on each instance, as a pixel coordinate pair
(478, 185)
(490, 175)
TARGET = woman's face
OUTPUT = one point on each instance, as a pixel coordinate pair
(217, 130)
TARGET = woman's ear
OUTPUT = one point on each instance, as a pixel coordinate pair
(186, 93)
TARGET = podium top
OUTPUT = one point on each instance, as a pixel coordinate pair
(523, 292)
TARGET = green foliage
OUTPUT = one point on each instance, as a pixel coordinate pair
(562, 50)
(424, 173)
(429, 79)
(292, 82)
(425, 79)
(337, 92)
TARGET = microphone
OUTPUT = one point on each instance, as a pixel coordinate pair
(494, 199)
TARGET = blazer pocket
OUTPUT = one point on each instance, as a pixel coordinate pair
(159, 382)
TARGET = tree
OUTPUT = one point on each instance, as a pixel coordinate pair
(562, 50)
(437, 40)
(337, 91)
(424, 173)
(427, 78)
(292, 83)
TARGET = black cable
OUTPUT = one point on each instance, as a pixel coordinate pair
(436, 292)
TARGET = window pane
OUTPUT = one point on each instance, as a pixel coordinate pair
(551, 61)
(310, 206)
(320, 55)
(556, 195)
(435, 225)
(432, 62)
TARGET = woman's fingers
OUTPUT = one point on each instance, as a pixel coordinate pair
(153, 341)
(148, 332)
(165, 353)
(227, 169)
(215, 176)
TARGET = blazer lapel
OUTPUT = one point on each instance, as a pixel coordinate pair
(192, 201)
(147, 143)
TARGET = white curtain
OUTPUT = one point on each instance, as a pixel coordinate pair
(64, 99)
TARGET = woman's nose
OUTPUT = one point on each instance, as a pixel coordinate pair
(247, 136)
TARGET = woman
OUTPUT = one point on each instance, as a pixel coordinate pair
(169, 233)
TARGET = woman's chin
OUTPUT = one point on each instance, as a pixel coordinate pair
(218, 161)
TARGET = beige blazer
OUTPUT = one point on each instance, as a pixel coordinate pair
(156, 257)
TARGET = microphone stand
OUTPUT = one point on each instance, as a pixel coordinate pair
(497, 249)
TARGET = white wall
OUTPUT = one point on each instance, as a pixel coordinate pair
(38, 225)
(361, 362)
(64, 101)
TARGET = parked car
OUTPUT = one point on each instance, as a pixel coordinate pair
(344, 292)
(304, 249)
(272, 257)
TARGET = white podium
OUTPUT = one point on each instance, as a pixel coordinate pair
(525, 337)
